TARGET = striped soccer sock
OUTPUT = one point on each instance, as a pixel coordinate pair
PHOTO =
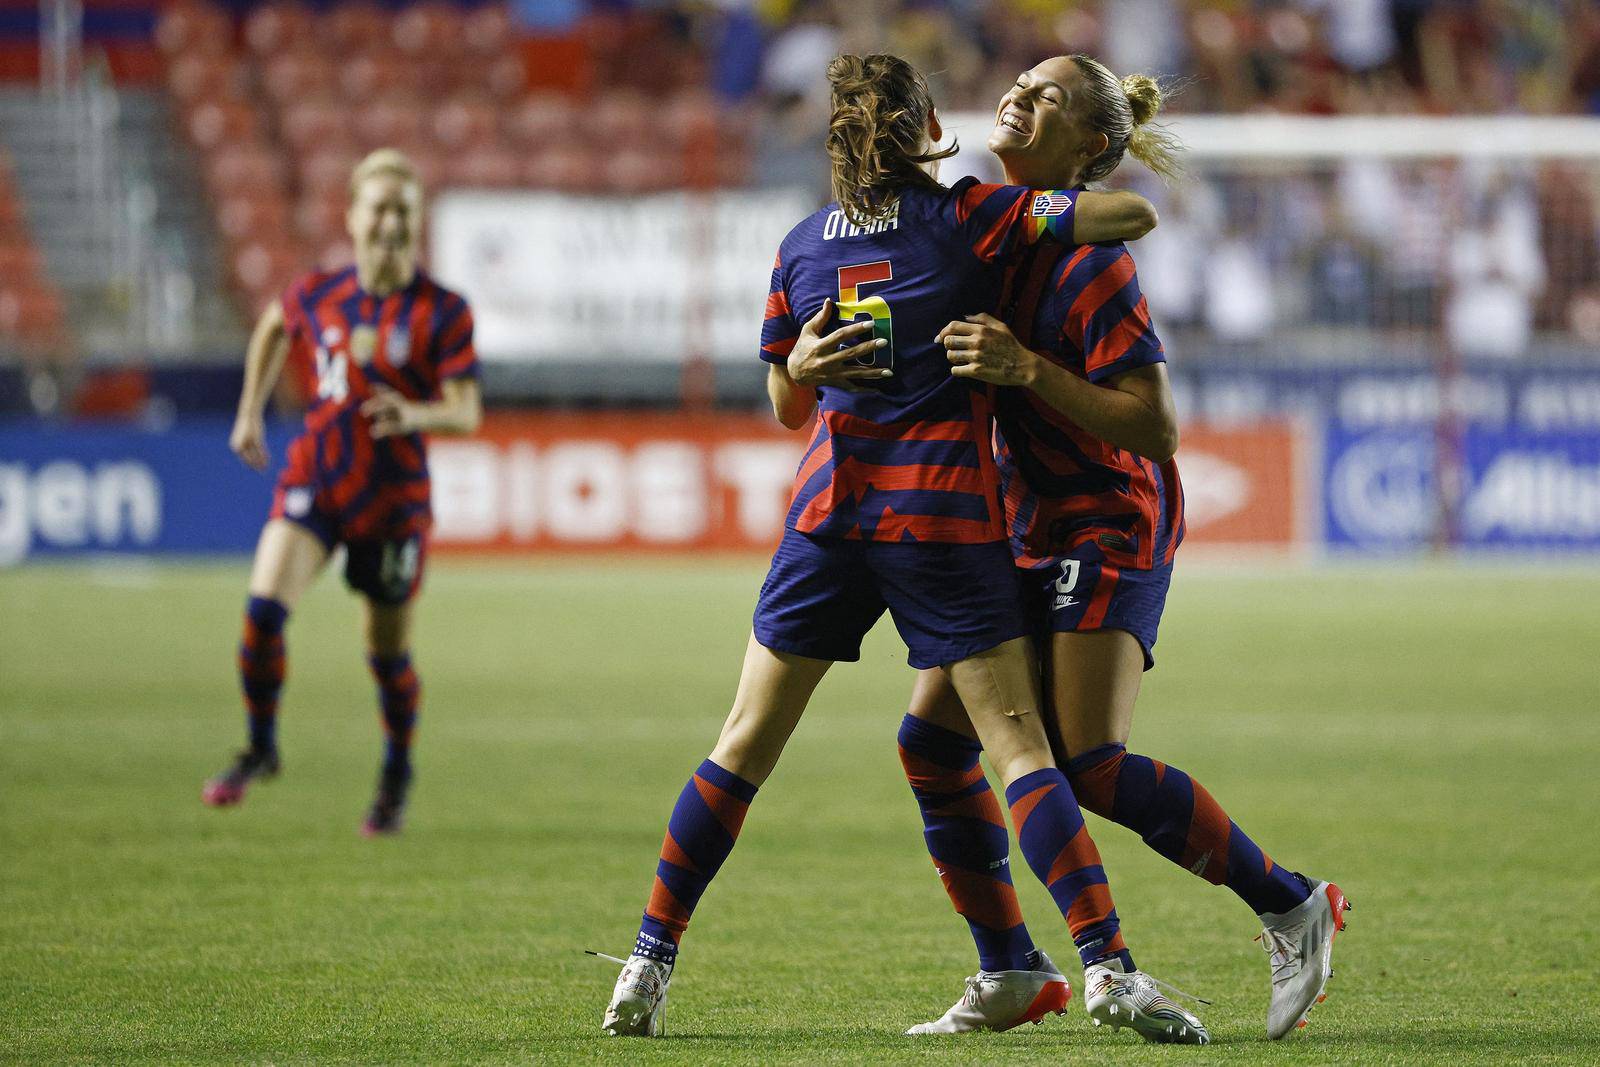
(398, 692)
(704, 825)
(1178, 818)
(1058, 847)
(966, 835)
(261, 669)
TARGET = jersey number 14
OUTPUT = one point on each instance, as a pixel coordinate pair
(853, 306)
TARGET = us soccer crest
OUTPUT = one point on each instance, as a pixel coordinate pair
(363, 344)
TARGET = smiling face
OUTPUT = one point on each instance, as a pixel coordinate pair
(1039, 131)
(385, 222)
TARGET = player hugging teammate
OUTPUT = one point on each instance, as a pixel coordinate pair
(389, 354)
(896, 508)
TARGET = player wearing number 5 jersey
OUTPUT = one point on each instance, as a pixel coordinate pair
(388, 354)
(895, 506)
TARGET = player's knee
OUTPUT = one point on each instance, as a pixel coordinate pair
(935, 758)
(1093, 776)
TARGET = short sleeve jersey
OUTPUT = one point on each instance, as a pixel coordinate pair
(1083, 309)
(344, 343)
(908, 458)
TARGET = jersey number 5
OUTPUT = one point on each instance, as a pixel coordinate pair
(852, 306)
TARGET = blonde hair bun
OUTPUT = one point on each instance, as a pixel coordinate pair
(1144, 97)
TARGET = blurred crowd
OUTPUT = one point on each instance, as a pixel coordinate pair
(1300, 56)
(1482, 256)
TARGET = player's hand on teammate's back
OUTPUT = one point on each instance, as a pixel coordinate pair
(389, 413)
(817, 359)
(249, 442)
(983, 347)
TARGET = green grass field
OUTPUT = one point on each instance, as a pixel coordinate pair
(1427, 736)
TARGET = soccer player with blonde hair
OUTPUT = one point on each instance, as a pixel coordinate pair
(1086, 436)
(389, 353)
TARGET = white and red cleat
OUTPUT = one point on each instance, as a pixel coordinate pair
(1001, 1000)
(638, 1005)
(1299, 943)
(1115, 999)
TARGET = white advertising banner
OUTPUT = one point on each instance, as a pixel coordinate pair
(665, 277)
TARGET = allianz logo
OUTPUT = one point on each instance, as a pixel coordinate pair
(1385, 489)
(67, 504)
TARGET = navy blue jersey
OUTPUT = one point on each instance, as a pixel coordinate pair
(910, 457)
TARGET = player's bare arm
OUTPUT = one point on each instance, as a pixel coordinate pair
(263, 362)
(1119, 215)
(459, 410)
(1133, 410)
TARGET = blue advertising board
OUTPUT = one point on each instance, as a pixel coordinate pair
(88, 488)
(1517, 488)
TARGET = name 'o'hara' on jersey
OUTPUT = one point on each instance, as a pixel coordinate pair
(344, 343)
(1063, 487)
(907, 458)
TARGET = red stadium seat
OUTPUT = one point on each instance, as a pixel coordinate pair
(399, 118)
(491, 166)
(326, 171)
(354, 27)
(691, 118)
(639, 170)
(320, 219)
(31, 314)
(621, 118)
(297, 74)
(336, 253)
(431, 164)
(464, 121)
(249, 168)
(487, 31)
(272, 28)
(374, 71)
(428, 29)
(543, 119)
(19, 260)
(266, 266)
(196, 77)
(565, 168)
(241, 217)
(194, 29)
(504, 76)
(212, 123)
(313, 124)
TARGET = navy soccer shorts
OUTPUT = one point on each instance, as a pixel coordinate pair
(948, 601)
(1080, 592)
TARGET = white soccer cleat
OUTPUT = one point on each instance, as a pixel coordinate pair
(639, 999)
(1000, 1000)
(1300, 945)
(1133, 1000)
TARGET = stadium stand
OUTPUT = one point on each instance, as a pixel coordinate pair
(280, 106)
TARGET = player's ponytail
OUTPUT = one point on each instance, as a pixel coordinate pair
(878, 133)
(1124, 111)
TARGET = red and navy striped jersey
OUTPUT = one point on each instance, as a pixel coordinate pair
(1082, 309)
(908, 458)
(343, 342)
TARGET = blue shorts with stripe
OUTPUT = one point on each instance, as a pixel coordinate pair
(949, 601)
(1081, 592)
